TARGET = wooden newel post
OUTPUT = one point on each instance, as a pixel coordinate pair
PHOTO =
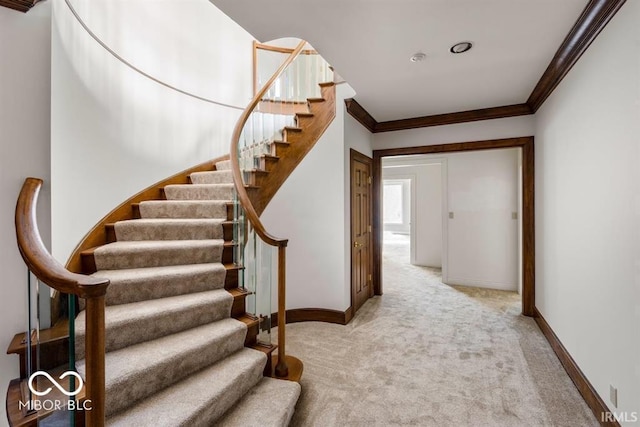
(95, 361)
(282, 370)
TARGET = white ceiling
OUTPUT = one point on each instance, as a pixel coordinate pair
(369, 43)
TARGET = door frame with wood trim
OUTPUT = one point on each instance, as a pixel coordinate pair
(528, 208)
(356, 156)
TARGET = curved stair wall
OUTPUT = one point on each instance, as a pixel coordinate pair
(114, 130)
(175, 316)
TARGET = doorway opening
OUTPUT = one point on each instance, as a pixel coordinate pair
(482, 207)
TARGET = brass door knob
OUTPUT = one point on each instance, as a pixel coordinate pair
(357, 244)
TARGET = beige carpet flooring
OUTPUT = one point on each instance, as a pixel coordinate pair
(427, 354)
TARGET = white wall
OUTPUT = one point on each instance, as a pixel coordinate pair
(25, 49)
(588, 210)
(114, 131)
(311, 210)
(464, 132)
(483, 236)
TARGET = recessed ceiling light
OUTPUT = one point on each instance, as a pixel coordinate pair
(417, 57)
(461, 47)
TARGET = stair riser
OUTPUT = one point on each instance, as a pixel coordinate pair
(208, 396)
(304, 121)
(136, 388)
(159, 325)
(268, 163)
(217, 210)
(316, 107)
(200, 232)
(249, 412)
(219, 177)
(252, 334)
(148, 289)
(257, 178)
(191, 192)
(125, 260)
(292, 136)
(231, 280)
(224, 165)
(215, 410)
(280, 149)
(239, 306)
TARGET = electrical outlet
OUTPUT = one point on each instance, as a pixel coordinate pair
(450, 215)
(514, 215)
(613, 396)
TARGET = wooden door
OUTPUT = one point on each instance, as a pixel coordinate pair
(361, 223)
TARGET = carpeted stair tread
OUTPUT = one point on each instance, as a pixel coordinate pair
(139, 371)
(174, 355)
(223, 165)
(157, 253)
(199, 192)
(129, 324)
(200, 399)
(271, 403)
(141, 284)
(183, 209)
(213, 177)
(169, 229)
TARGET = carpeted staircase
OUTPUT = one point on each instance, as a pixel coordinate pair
(175, 356)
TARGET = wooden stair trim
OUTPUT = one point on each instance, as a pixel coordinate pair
(268, 350)
(97, 235)
(238, 308)
(305, 140)
(53, 347)
(253, 325)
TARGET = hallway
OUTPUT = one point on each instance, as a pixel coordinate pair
(428, 354)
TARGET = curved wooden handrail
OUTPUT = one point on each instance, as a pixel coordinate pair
(37, 257)
(53, 274)
(281, 368)
(250, 211)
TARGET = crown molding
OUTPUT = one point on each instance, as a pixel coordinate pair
(595, 16)
(593, 19)
(453, 118)
(360, 114)
(19, 5)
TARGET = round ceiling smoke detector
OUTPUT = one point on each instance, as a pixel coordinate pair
(417, 57)
(461, 47)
